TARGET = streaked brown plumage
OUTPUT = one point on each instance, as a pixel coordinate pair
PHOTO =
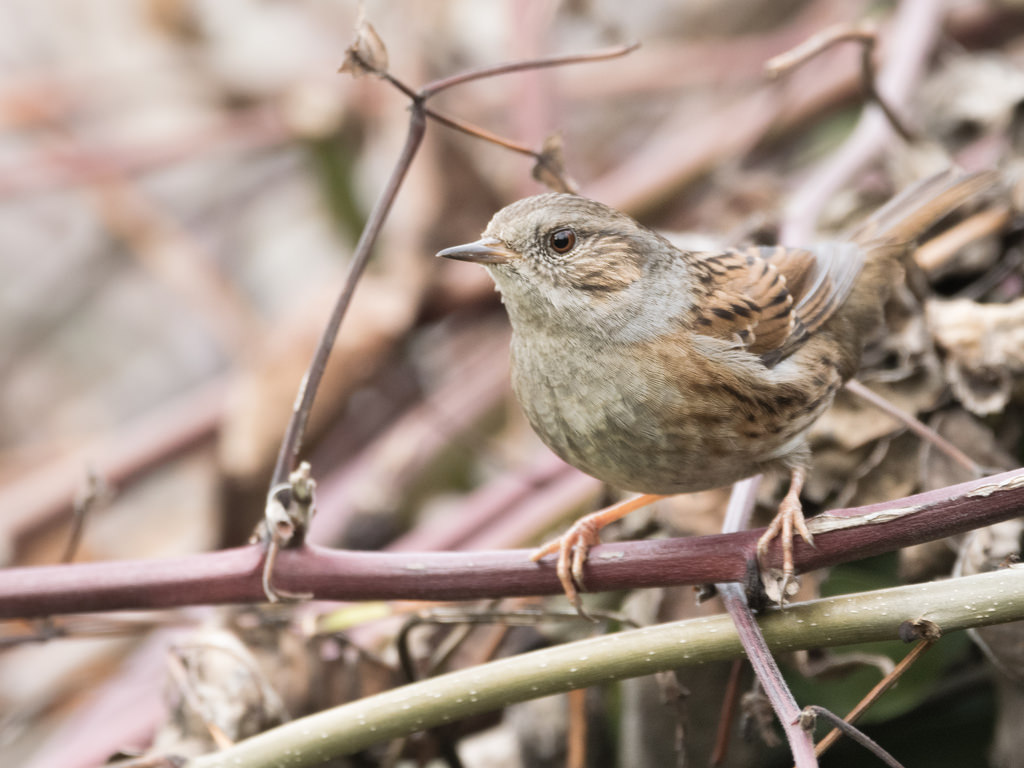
(667, 371)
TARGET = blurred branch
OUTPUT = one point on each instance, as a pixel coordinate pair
(61, 167)
(988, 222)
(867, 36)
(231, 576)
(175, 257)
(36, 498)
(472, 385)
(913, 33)
(993, 598)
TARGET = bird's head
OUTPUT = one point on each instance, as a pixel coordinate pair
(559, 258)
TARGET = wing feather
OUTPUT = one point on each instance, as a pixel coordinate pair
(770, 299)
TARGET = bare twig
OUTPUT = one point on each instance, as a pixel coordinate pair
(741, 504)
(768, 672)
(874, 694)
(292, 441)
(540, 158)
(812, 712)
(437, 86)
(367, 56)
(867, 36)
(37, 498)
(916, 426)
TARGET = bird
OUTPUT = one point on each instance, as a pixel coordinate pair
(661, 370)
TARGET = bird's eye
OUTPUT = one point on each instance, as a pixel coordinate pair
(562, 240)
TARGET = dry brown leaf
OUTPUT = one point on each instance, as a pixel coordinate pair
(217, 695)
(367, 55)
(983, 346)
(892, 472)
(550, 166)
(971, 95)
(972, 436)
(904, 349)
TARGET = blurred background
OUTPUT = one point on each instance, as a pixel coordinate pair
(182, 184)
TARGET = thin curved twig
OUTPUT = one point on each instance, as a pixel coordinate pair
(867, 36)
(813, 711)
(430, 89)
(292, 442)
(873, 695)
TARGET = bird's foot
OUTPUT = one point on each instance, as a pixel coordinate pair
(789, 518)
(574, 545)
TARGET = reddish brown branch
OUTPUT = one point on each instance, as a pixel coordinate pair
(741, 505)
(232, 576)
(292, 442)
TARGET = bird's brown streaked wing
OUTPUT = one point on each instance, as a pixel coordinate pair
(771, 299)
(824, 289)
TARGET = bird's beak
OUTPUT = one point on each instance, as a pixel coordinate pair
(486, 250)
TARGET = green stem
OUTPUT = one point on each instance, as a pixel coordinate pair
(989, 598)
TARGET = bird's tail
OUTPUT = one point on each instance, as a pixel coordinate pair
(922, 205)
(886, 237)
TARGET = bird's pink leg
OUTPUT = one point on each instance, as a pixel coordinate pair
(789, 517)
(573, 545)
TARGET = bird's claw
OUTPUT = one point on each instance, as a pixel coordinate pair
(789, 518)
(572, 547)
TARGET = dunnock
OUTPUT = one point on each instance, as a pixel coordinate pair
(667, 371)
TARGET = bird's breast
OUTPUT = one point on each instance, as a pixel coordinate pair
(658, 417)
